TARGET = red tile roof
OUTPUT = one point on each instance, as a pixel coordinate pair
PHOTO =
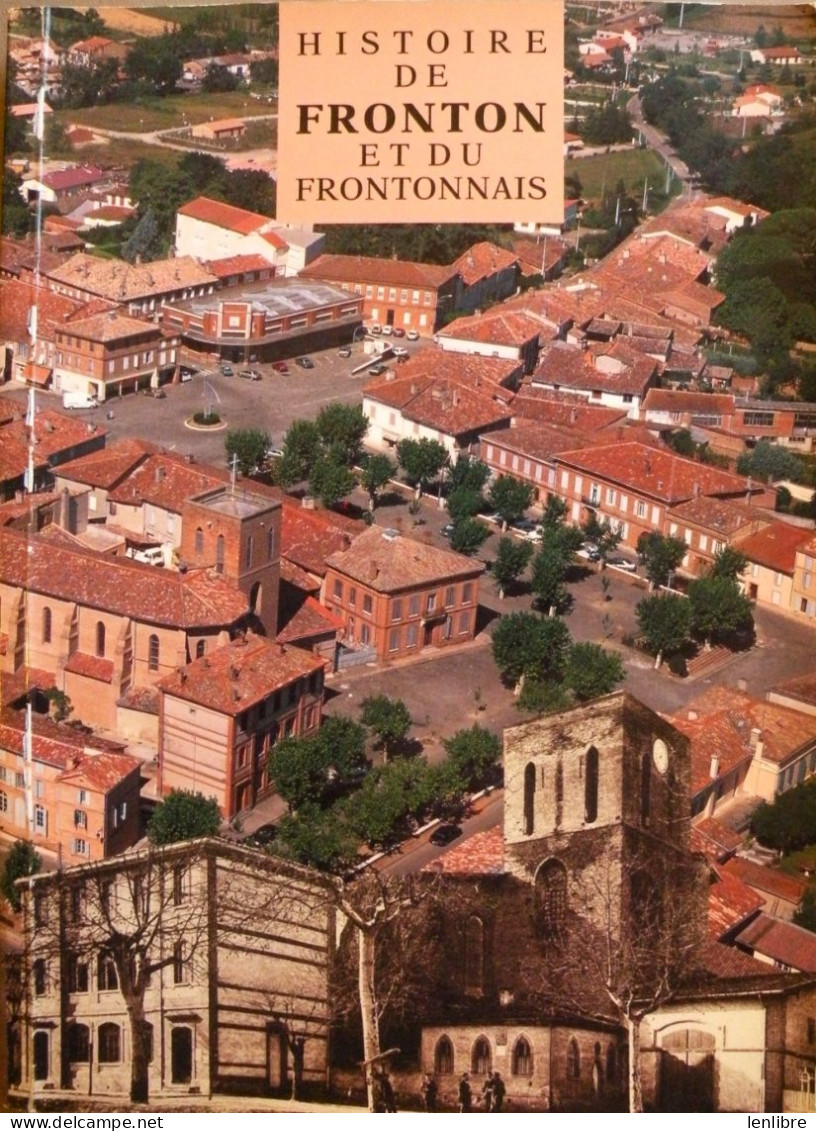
(223, 215)
(66, 179)
(110, 327)
(387, 272)
(236, 676)
(106, 468)
(722, 728)
(481, 261)
(568, 367)
(783, 942)
(59, 744)
(654, 472)
(17, 299)
(389, 563)
(538, 440)
(677, 400)
(479, 855)
(497, 326)
(803, 687)
(237, 265)
(92, 667)
(714, 839)
(194, 599)
(122, 282)
(761, 878)
(164, 479)
(774, 546)
(308, 535)
(312, 619)
(722, 516)
(103, 771)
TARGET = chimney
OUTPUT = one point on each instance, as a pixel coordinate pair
(742, 684)
(714, 767)
(755, 740)
(693, 716)
(159, 474)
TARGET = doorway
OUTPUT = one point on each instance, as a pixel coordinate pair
(181, 1055)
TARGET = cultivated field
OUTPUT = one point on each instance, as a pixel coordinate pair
(129, 20)
(798, 21)
(604, 171)
(173, 112)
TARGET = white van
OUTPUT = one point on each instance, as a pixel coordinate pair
(153, 555)
(79, 400)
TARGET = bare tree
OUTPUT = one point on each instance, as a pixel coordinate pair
(133, 915)
(620, 941)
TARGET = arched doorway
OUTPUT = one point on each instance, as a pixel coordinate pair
(687, 1071)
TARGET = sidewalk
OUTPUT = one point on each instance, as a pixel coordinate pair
(59, 1101)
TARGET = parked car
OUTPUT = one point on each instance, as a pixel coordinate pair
(399, 332)
(304, 362)
(413, 335)
(226, 370)
(622, 563)
(591, 551)
(447, 529)
(444, 834)
(249, 374)
(400, 351)
(266, 834)
(344, 351)
(186, 373)
(528, 529)
(388, 329)
(280, 367)
(274, 453)
(378, 370)
(375, 328)
(151, 555)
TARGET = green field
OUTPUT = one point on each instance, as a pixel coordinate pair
(173, 112)
(602, 173)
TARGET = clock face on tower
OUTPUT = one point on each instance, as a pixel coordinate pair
(660, 755)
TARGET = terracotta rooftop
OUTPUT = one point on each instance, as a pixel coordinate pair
(539, 440)
(237, 265)
(803, 687)
(722, 727)
(691, 403)
(784, 943)
(482, 260)
(223, 215)
(388, 272)
(110, 327)
(770, 880)
(194, 599)
(389, 562)
(165, 480)
(59, 744)
(479, 855)
(723, 516)
(92, 667)
(65, 179)
(309, 536)
(312, 619)
(497, 326)
(714, 839)
(564, 366)
(561, 408)
(236, 676)
(106, 468)
(655, 472)
(102, 772)
(16, 300)
(730, 903)
(533, 255)
(774, 546)
(119, 281)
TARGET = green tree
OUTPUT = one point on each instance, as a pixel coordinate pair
(93, 85)
(421, 460)
(376, 472)
(22, 860)
(388, 719)
(805, 913)
(509, 498)
(329, 481)
(770, 462)
(789, 822)
(302, 767)
(464, 502)
(551, 565)
(475, 753)
(526, 645)
(592, 670)
(320, 838)
(219, 80)
(390, 796)
(660, 555)
(665, 622)
(301, 451)
(602, 534)
(16, 217)
(729, 563)
(555, 512)
(248, 446)
(183, 815)
(468, 536)
(512, 559)
(342, 429)
(155, 62)
(718, 607)
(468, 473)
(145, 242)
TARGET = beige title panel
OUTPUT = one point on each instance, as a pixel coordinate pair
(398, 112)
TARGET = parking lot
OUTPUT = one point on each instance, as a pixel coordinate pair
(271, 403)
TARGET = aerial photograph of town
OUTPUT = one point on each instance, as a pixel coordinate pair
(408, 631)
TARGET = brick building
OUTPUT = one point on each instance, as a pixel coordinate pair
(398, 596)
(140, 287)
(413, 296)
(112, 353)
(221, 716)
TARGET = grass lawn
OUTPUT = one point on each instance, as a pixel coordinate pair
(166, 113)
(632, 167)
(793, 862)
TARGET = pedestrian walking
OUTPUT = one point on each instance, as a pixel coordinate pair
(465, 1093)
(388, 1092)
(487, 1092)
(429, 1092)
(498, 1092)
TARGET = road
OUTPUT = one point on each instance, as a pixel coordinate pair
(417, 853)
(265, 159)
(656, 141)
